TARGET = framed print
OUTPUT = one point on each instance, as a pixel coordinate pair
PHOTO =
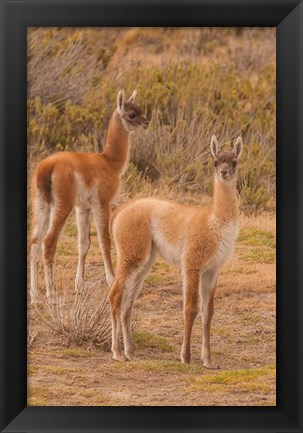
(209, 94)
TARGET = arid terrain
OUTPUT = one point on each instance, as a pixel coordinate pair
(243, 336)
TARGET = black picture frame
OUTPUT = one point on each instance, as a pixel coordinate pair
(16, 16)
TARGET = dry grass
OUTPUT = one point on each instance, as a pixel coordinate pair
(79, 319)
(243, 337)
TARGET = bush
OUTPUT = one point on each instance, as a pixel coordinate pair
(224, 85)
(84, 319)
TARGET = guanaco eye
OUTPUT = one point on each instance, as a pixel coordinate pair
(132, 115)
(215, 163)
(234, 163)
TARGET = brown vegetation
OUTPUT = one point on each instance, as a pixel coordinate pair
(209, 81)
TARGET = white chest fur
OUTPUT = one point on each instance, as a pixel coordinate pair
(170, 253)
(227, 235)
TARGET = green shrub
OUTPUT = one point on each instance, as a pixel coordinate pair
(188, 100)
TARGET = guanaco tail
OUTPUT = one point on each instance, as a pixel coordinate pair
(87, 182)
(198, 240)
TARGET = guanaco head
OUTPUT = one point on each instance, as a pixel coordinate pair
(225, 161)
(130, 113)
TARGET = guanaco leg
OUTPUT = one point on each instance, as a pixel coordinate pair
(190, 309)
(41, 224)
(58, 218)
(83, 224)
(101, 217)
(207, 288)
(130, 294)
(126, 288)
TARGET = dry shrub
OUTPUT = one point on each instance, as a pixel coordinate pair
(255, 54)
(64, 64)
(84, 319)
(208, 99)
(31, 334)
(224, 85)
(50, 62)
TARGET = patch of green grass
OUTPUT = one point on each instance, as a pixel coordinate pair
(221, 330)
(155, 279)
(258, 380)
(255, 387)
(38, 396)
(266, 402)
(90, 393)
(161, 265)
(31, 369)
(250, 318)
(77, 352)
(216, 353)
(94, 397)
(241, 270)
(255, 237)
(144, 340)
(260, 255)
(156, 366)
(249, 380)
(66, 248)
(70, 229)
(58, 370)
(54, 369)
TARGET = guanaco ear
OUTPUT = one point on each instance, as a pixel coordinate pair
(120, 101)
(238, 147)
(132, 98)
(214, 146)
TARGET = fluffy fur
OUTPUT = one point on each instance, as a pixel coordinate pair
(196, 239)
(87, 182)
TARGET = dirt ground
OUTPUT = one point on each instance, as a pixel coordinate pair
(243, 336)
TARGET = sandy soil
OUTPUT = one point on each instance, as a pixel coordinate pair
(243, 336)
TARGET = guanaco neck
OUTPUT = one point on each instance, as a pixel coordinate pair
(116, 149)
(226, 203)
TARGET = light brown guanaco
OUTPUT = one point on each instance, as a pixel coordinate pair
(87, 182)
(198, 240)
